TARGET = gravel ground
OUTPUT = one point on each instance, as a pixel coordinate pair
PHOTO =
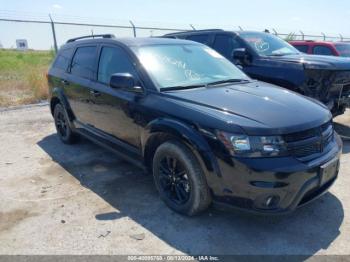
(82, 199)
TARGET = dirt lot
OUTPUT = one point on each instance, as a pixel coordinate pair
(81, 199)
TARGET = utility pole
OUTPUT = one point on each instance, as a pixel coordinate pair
(133, 28)
(53, 34)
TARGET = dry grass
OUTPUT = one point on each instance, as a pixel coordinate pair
(23, 76)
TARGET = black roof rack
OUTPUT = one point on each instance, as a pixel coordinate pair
(91, 36)
(190, 31)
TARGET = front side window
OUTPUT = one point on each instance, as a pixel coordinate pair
(83, 62)
(322, 50)
(343, 49)
(268, 45)
(186, 65)
(113, 60)
(225, 44)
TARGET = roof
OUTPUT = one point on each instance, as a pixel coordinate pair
(212, 31)
(133, 41)
(194, 31)
(316, 42)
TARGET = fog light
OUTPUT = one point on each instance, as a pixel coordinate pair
(271, 201)
(267, 201)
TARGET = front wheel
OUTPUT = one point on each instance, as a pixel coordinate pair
(179, 179)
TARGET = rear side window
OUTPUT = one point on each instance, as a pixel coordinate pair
(113, 60)
(63, 59)
(302, 48)
(83, 62)
(204, 38)
(322, 50)
(225, 44)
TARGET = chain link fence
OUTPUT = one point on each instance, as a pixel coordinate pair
(51, 34)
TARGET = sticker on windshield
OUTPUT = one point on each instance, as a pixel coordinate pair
(262, 46)
(213, 53)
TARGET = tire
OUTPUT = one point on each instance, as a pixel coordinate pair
(63, 128)
(182, 186)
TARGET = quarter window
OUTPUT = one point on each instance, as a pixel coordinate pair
(113, 60)
(302, 48)
(83, 62)
(322, 50)
(62, 59)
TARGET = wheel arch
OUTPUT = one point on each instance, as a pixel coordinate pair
(162, 130)
(59, 97)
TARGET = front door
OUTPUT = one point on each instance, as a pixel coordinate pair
(114, 111)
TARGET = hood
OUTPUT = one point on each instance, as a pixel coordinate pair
(317, 61)
(258, 108)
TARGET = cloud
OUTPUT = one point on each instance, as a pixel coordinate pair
(57, 6)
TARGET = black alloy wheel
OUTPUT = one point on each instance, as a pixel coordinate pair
(62, 124)
(174, 180)
(179, 178)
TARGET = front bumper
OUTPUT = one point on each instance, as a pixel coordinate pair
(276, 185)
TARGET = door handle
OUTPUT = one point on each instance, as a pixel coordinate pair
(65, 82)
(95, 93)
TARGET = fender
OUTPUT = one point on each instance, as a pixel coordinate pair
(188, 134)
(57, 92)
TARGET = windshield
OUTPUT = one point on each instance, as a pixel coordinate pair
(268, 45)
(343, 49)
(185, 65)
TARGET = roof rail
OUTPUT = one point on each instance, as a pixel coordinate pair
(193, 31)
(91, 36)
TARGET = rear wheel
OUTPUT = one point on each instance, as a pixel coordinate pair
(179, 179)
(63, 129)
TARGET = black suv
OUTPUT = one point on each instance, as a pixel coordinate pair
(268, 58)
(206, 131)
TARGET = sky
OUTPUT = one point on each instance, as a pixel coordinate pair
(310, 16)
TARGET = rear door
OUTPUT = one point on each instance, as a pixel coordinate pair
(58, 71)
(79, 82)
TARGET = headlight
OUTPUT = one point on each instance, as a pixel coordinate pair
(253, 146)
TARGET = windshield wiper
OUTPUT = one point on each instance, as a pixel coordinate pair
(233, 80)
(180, 87)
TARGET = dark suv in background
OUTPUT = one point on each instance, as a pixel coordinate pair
(268, 58)
(206, 131)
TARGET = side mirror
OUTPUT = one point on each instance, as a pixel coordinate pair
(124, 81)
(240, 55)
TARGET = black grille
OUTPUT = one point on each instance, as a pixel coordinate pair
(346, 89)
(309, 142)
